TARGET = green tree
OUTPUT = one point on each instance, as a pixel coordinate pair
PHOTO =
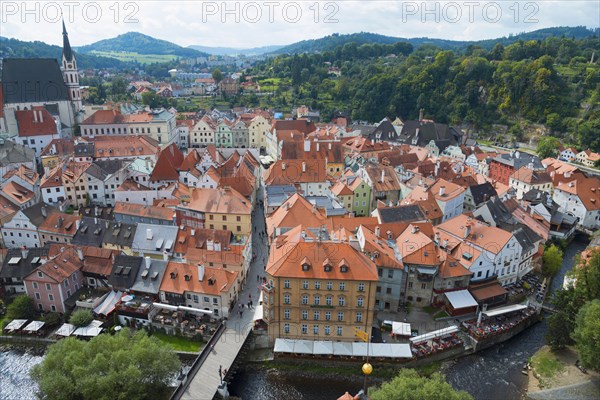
(587, 334)
(552, 260)
(20, 308)
(587, 276)
(124, 367)
(81, 318)
(408, 385)
(547, 147)
(217, 75)
(51, 319)
(560, 327)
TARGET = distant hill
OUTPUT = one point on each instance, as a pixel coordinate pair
(134, 42)
(330, 42)
(20, 49)
(231, 51)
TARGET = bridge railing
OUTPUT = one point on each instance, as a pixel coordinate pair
(198, 361)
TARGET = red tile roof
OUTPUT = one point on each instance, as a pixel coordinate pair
(36, 122)
(167, 164)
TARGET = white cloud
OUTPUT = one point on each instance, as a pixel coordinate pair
(207, 23)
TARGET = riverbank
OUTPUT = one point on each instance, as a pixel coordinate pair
(554, 375)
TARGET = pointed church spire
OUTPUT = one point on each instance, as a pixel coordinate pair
(67, 52)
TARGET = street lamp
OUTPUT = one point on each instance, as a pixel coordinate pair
(367, 369)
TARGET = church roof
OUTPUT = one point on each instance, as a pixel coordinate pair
(67, 52)
(32, 80)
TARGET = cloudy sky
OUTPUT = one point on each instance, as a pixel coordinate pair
(258, 23)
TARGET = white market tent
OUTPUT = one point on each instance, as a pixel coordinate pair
(323, 348)
(109, 303)
(258, 310)
(354, 349)
(504, 310)
(303, 347)
(434, 334)
(65, 330)
(461, 299)
(181, 308)
(401, 328)
(15, 325)
(342, 349)
(359, 349)
(34, 326)
(400, 350)
(92, 330)
(284, 346)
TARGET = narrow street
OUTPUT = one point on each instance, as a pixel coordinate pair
(203, 385)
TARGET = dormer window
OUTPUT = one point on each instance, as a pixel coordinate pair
(40, 274)
(343, 268)
(211, 282)
(305, 267)
(327, 268)
(173, 275)
(187, 278)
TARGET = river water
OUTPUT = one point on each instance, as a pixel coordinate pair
(492, 374)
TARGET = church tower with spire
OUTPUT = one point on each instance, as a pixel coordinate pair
(69, 67)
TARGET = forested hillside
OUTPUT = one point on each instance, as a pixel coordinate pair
(551, 82)
(15, 48)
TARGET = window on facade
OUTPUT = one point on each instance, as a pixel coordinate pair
(304, 329)
(359, 316)
(304, 314)
(286, 284)
(286, 328)
(304, 284)
(317, 300)
(329, 285)
(360, 301)
(48, 287)
(327, 315)
(286, 299)
(329, 300)
(342, 285)
(316, 329)
(304, 299)
(317, 285)
(286, 313)
(361, 287)
(340, 330)
(316, 315)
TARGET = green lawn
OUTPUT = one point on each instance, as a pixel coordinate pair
(131, 56)
(179, 343)
(545, 363)
(440, 314)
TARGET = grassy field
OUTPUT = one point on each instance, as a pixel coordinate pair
(179, 343)
(135, 57)
(546, 364)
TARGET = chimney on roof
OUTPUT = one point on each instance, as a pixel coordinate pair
(149, 234)
(317, 146)
(80, 254)
(165, 255)
(303, 166)
(24, 252)
(377, 231)
(148, 261)
(329, 146)
(200, 272)
(41, 115)
(77, 224)
(415, 229)
(442, 190)
(382, 175)
(193, 232)
(307, 145)
(283, 166)
(467, 230)
(35, 119)
(44, 212)
(567, 174)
